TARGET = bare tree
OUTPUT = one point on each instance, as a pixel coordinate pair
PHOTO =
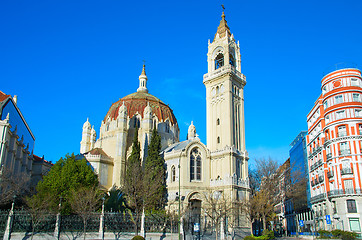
(13, 185)
(84, 202)
(217, 207)
(266, 186)
(38, 209)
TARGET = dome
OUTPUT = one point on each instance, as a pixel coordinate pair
(137, 102)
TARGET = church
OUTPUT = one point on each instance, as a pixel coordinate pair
(193, 168)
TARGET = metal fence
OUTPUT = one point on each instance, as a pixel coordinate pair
(113, 222)
(3, 219)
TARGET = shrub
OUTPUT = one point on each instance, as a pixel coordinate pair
(251, 237)
(337, 233)
(138, 238)
(344, 235)
(324, 234)
(269, 234)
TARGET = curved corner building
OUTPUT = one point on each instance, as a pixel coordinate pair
(334, 152)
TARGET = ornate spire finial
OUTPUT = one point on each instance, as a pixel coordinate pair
(223, 29)
(143, 80)
(144, 68)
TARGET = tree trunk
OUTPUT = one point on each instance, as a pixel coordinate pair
(264, 223)
(84, 227)
(32, 229)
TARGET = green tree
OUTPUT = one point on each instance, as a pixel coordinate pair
(65, 177)
(155, 175)
(133, 181)
(115, 201)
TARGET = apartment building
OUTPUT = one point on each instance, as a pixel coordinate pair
(334, 152)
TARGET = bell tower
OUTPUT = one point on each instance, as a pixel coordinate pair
(224, 84)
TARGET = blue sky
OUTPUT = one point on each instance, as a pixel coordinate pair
(69, 60)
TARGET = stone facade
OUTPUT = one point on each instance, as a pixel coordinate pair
(194, 169)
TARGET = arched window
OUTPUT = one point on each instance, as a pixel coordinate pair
(195, 164)
(136, 122)
(218, 139)
(231, 60)
(219, 61)
(173, 174)
(167, 127)
(218, 121)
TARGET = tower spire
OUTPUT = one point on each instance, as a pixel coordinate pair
(143, 80)
(223, 29)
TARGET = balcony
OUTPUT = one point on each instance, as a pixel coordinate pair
(342, 134)
(347, 191)
(329, 156)
(318, 198)
(344, 152)
(312, 183)
(330, 174)
(346, 171)
(316, 164)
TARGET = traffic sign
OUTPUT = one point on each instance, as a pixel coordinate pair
(196, 227)
(328, 219)
(301, 223)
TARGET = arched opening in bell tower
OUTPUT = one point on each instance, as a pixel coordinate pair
(219, 61)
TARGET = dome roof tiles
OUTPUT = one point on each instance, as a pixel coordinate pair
(136, 103)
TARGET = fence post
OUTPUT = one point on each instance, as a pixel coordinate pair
(57, 223)
(101, 222)
(222, 230)
(143, 232)
(57, 226)
(9, 222)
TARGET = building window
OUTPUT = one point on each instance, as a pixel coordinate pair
(354, 82)
(325, 104)
(219, 61)
(218, 140)
(354, 225)
(195, 165)
(218, 121)
(339, 99)
(173, 174)
(324, 89)
(342, 132)
(356, 97)
(358, 113)
(167, 127)
(231, 60)
(344, 149)
(136, 122)
(340, 114)
(351, 206)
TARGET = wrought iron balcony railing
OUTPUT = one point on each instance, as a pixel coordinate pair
(344, 152)
(346, 171)
(342, 134)
(330, 174)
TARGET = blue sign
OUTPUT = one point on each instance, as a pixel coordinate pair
(301, 223)
(196, 227)
(328, 219)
